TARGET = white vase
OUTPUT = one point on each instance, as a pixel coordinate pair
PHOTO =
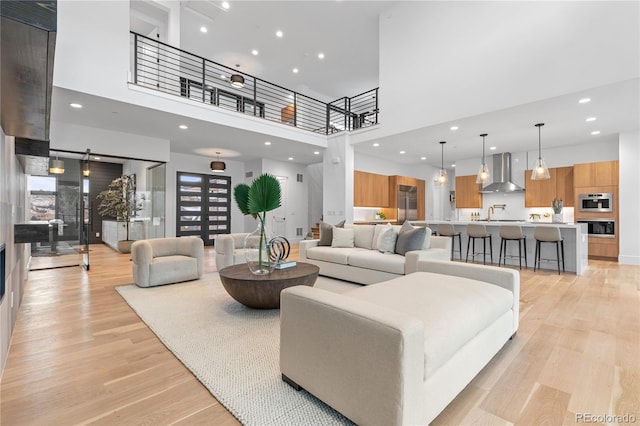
(557, 218)
(256, 251)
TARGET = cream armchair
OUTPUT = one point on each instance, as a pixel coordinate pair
(230, 249)
(159, 261)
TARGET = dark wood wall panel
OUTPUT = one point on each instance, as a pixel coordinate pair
(101, 176)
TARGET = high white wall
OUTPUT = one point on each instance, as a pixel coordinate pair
(629, 203)
(199, 164)
(443, 60)
(313, 176)
(12, 202)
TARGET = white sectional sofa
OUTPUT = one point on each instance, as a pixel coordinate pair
(400, 351)
(364, 263)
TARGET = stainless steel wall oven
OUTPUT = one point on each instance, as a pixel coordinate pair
(602, 228)
(600, 202)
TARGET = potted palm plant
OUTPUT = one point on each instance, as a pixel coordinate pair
(256, 200)
(119, 201)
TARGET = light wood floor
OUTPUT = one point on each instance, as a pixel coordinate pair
(80, 355)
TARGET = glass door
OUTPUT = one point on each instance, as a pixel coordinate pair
(85, 209)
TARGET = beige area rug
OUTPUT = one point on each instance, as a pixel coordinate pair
(231, 349)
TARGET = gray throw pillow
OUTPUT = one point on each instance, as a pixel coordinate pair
(326, 232)
(410, 238)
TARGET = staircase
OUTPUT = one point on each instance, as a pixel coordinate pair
(316, 231)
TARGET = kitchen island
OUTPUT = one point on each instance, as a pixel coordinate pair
(576, 242)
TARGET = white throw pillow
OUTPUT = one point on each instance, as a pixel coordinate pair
(427, 240)
(376, 234)
(387, 240)
(342, 237)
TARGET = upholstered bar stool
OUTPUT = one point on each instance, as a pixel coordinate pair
(512, 233)
(447, 230)
(548, 234)
(475, 230)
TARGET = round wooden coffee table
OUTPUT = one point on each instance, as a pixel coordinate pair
(263, 291)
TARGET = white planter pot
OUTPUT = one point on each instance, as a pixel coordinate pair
(557, 218)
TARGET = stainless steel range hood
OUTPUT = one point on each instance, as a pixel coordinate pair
(502, 181)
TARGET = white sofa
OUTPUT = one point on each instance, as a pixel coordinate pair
(398, 352)
(230, 249)
(364, 264)
(160, 261)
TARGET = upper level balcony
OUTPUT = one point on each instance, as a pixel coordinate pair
(159, 66)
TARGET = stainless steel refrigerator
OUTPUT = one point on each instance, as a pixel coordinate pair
(407, 203)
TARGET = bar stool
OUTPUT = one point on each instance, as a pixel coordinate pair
(512, 233)
(474, 231)
(447, 230)
(548, 234)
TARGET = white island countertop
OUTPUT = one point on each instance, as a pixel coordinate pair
(575, 236)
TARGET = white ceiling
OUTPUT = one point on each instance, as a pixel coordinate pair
(347, 33)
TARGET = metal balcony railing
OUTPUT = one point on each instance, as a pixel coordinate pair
(162, 67)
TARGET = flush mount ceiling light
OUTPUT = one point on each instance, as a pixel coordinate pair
(590, 119)
(584, 100)
(453, 128)
(442, 176)
(225, 5)
(75, 105)
(540, 171)
(237, 81)
(218, 166)
(279, 33)
(57, 166)
(320, 55)
(254, 52)
(483, 172)
(203, 29)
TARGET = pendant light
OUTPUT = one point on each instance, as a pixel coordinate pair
(483, 172)
(218, 166)
(57, 166)
(540, 170)
(237, 81)
(442, 176)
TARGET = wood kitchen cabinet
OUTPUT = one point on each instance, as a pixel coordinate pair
(540, 193)
(370, 189)
(392, 211)
(564, 185)
(603, 173)
(468, 194)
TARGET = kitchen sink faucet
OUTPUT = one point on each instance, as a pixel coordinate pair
(489, 211)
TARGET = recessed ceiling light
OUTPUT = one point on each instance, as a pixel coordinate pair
(376, 144)
(222, 76)
(584, 100)
(453, 128)
(279, 33)
(96, 158)
(183, 127)
(225, 5)
(74, 105)
(316, 152)
(423, 158)
(320, 55)
(203, 29)
(453, 165)
(492, 148)
(403, 152)
(290, 158)
(595, 132)
(267, 143)
(295, 70)
(291, 96)
(590, 119)
(254, 52)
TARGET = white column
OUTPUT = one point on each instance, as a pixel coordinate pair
(337, 180)
(628, 227)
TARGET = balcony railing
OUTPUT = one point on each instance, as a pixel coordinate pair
(162, 67)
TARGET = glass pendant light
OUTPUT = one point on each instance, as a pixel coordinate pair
(442, 176)
(483, 172)
(540, 170)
